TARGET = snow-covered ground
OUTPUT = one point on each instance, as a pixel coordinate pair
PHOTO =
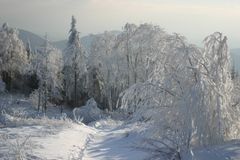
(42, 143)
(228, 151)
(114, 140)
(24, 134)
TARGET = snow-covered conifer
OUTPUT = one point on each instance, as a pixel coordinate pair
(74, 65)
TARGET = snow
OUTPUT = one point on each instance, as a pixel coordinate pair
(88, 113)
(227, 151)
(51, 137)
(67, 144)
(78, 142)
(114, 140)
(163, 98)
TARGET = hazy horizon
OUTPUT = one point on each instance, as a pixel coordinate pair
(194, 19)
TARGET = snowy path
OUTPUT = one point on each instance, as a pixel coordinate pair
(55, 139)
(45, 143)
(110, 140)
(106, 142)
(113, 142)
(68, 144)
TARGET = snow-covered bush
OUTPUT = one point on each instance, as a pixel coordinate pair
(11, 120)
(19, 148)
(34, 98)
(88, 113)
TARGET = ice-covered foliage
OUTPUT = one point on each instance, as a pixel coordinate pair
(124, 59)
(102, 69)
(18, 149)
(218, 119)
(13, 56)
(188, 93)
(34, 98)
(17, 111)
(47, 64)
(88, 113)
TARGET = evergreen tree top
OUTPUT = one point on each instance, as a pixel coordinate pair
(74, 34)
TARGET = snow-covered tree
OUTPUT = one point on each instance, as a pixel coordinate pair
(28, 49)
(188, 95)
(125, 44)
(102, 63)
(13, 55)
(74, 65)
(219, 88)
(47, 64)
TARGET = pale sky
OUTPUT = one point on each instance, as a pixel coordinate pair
(192, 18)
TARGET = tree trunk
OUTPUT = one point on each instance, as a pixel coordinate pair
(61, 109)
(128, 61)
(45, 99)
(10, 81)
(75, 88)
(39, 99)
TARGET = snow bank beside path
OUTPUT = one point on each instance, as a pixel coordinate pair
(114, 141)
(88, 113)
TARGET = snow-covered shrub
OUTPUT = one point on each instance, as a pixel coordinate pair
(20, 119)
(88, 113)
(19, 148)
(34, 98)
(45, 121)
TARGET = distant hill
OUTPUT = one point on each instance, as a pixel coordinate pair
(37, 41)
(60, 44)
(86, 41)
(34, 39)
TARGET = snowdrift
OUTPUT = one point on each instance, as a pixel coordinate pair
(88, 113)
